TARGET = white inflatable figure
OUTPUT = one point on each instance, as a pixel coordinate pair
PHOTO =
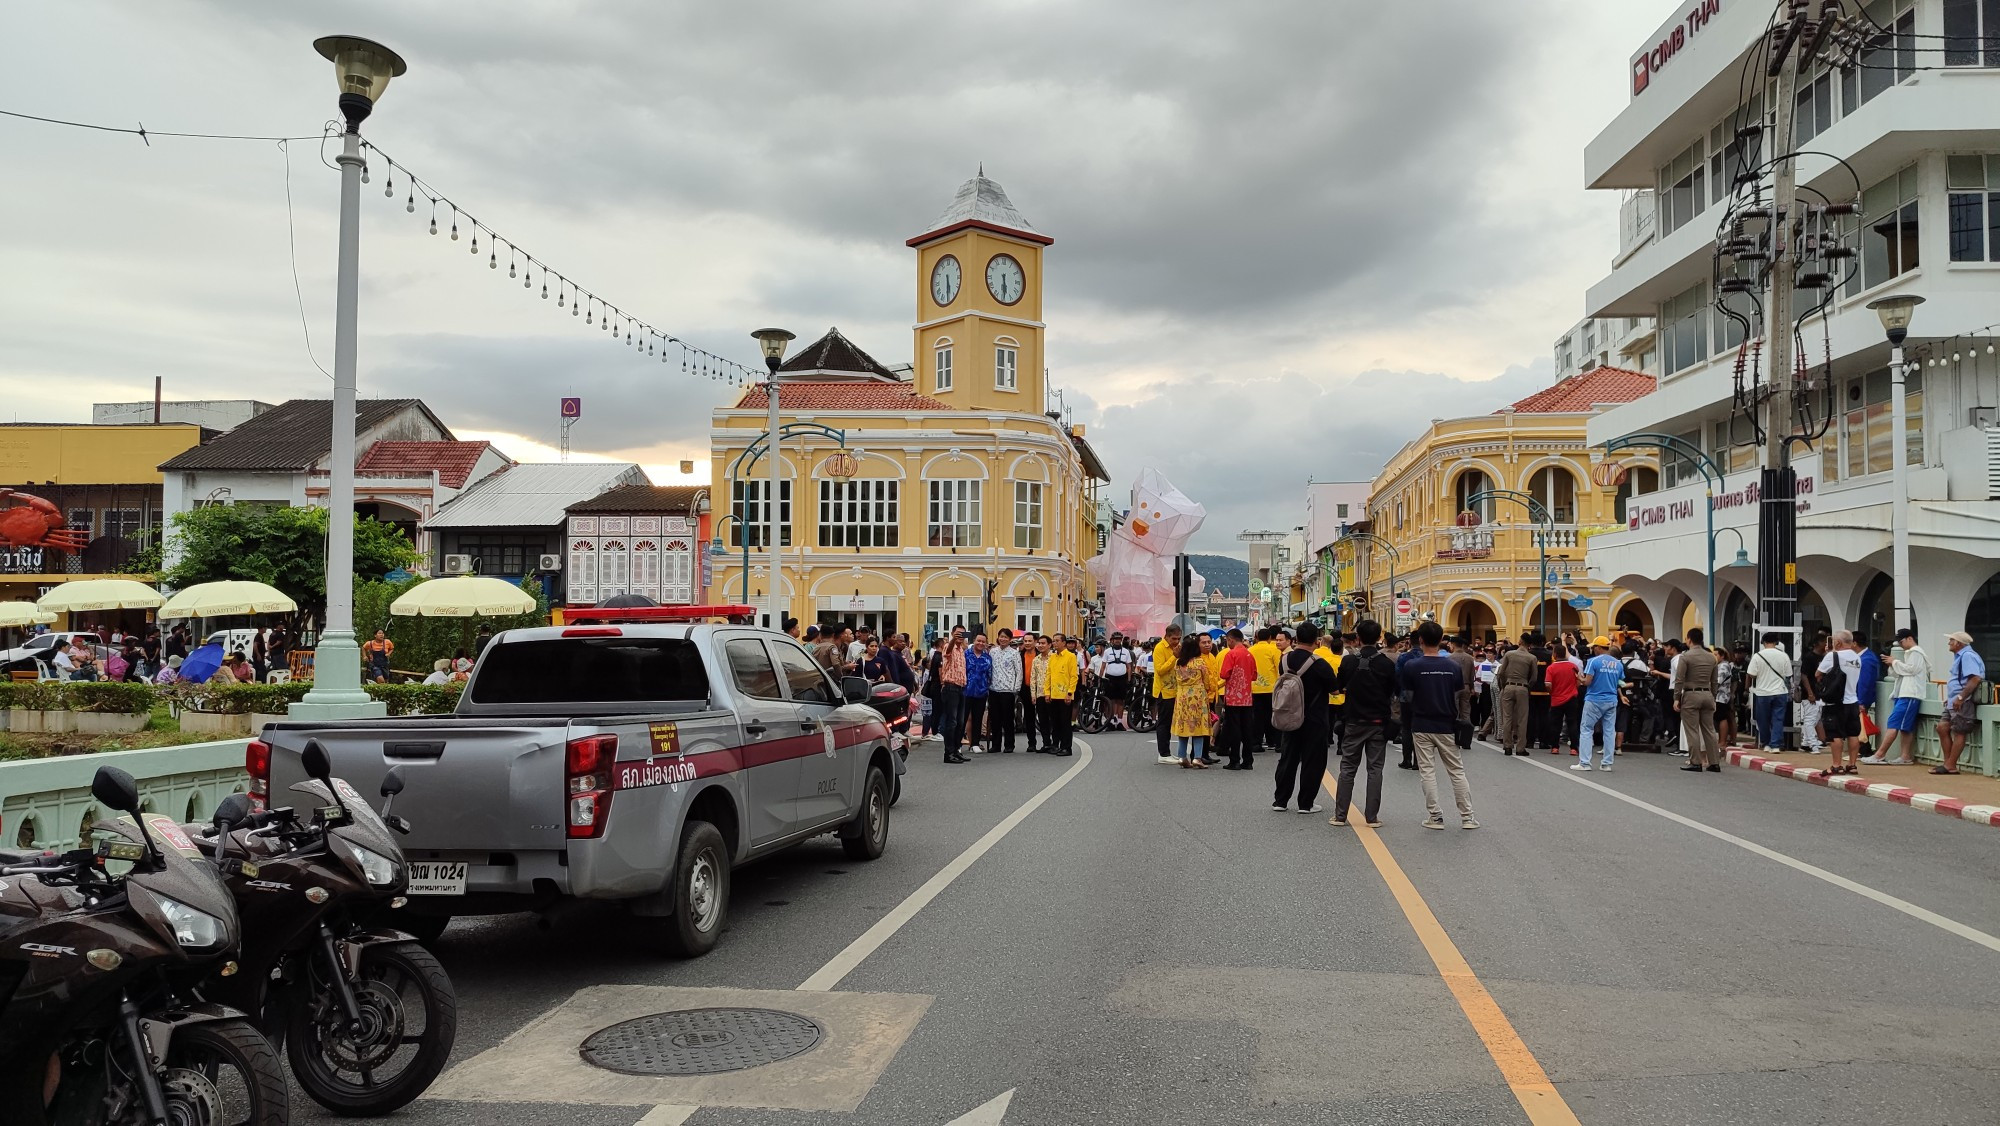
(1136, 571)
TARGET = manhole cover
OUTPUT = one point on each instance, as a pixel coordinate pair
(700, 1041)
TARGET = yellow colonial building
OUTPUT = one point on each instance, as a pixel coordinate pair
(1475, 563)
(952, 496)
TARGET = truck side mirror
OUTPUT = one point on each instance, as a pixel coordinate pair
(855, 689)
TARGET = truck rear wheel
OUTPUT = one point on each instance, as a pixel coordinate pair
(868, 835)
(700, 892)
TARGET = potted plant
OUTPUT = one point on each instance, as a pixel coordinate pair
(109, 707)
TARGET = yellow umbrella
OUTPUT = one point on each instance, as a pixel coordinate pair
(24, 614)
(234, 596)
(101, 594)
(463, 596)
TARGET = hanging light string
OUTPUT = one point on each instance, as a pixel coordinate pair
(625, 328)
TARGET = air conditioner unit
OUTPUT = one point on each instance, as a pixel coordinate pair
(458, 564)
(548, 563)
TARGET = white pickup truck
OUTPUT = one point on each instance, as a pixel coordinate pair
(631, 762)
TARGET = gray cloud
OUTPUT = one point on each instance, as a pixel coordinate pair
(1245, 448)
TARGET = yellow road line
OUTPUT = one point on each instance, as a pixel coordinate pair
(1524, 1075)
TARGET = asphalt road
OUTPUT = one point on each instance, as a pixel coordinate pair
(1155, 945)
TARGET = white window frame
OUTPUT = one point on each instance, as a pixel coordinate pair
(746, 501)
(863, 512)
(1028, 496)
(941, 373)
(953, 515)
(1028, 614)
(1006, 368)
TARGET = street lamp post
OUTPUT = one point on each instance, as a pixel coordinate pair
(1896, 313)
(362, 70)
(1388, 549)
(1539, 513)
(1712, 474)
(773, 341)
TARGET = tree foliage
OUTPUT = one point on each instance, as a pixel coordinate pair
(420, 642)
(285, 547)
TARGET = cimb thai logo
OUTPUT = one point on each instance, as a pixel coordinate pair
(1671, 43)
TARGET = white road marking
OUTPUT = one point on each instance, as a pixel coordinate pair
(992, 1113)
(667, 1116)
(847, 960)
(1951, 926)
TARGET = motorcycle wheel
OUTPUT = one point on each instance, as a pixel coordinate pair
(224, 1071)
(409, 1020)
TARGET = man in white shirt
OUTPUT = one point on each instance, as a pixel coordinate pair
(1004, 693)
(1911, 667)
(1842, 716)
(1770, 671)
(1118, 660)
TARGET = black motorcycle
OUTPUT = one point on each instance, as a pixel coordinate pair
(102, 953)
(365, 1014)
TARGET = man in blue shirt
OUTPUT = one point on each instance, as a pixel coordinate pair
(1961, 700)
(1601, 677)
(978, 684)
(1864, 692)
(1431, 683)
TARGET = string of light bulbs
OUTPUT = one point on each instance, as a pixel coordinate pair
(625, 328)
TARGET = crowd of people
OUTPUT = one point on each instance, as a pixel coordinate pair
(1220, 699)
(101, 652)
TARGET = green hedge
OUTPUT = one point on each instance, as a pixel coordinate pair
(81, 696)
(243, 699)
(417, 699)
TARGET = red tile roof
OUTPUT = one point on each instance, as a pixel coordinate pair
(453, 461)
(1580, 394)
(835, 396)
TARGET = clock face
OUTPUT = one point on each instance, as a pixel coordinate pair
(945, 277)
(1004, 279)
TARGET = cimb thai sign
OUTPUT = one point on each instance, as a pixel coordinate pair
(1746, 496)
(1673, 38)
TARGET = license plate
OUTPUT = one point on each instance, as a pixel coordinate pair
(437, 878)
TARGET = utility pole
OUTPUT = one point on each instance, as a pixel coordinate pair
(1777, 529)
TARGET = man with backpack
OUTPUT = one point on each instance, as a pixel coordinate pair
(1432, 682)
(1368, 681)
(1838, 689)
(1299, 715)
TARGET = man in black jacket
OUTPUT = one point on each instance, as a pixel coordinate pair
(1302, 760)
(1369, 680)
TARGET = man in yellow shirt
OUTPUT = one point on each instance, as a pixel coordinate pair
(1333, 699)
(1062, 690)
(1265, 653)
(1164, 661)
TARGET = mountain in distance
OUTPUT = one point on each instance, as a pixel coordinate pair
(1231, 576)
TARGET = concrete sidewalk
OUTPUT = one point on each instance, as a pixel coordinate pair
(1969, 797)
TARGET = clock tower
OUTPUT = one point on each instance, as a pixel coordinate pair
(979, 304)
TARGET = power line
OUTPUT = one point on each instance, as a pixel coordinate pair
(144, 133)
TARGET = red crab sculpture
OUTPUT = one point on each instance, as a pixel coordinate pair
(30, 521)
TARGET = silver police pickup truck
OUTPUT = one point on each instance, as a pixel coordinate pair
(631, 762)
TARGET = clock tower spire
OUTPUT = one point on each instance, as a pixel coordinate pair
(979, 303)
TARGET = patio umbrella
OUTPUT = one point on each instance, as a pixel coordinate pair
(463, 596)
(235, 596)
(201, 664)
(24, 614)
(101, 594)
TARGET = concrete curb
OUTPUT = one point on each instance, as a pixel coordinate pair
(1900, 795)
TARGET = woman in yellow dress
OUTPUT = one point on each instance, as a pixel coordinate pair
(1192, 679)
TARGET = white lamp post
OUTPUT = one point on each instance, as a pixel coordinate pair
(1896, 312)
(362, 69)
(773, 341)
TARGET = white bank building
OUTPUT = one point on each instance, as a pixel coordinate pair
(1918, 128)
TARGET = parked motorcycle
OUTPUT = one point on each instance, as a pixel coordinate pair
(892, 703)
(102, 950)
(364, 1013)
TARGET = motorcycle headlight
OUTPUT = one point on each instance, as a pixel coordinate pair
(194, 930)
(377, 869)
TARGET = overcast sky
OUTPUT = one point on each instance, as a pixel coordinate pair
(1287, 234)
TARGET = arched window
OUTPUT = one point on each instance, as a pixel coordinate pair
(1469, 484)
(1982, 619)
(941, 380)
(1878, 613)
(1006, 364)
(1639, 480)
(1738, 617)
(1555, 488)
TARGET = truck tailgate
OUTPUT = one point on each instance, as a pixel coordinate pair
(477, 785)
